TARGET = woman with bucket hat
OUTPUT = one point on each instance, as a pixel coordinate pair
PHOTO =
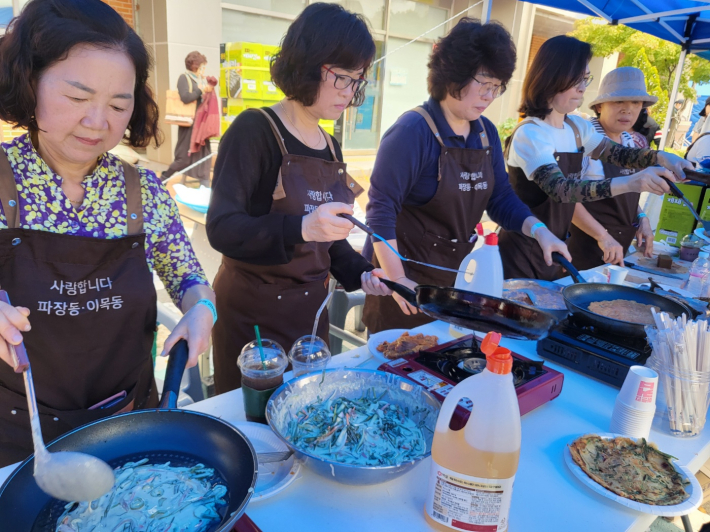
(604, 230)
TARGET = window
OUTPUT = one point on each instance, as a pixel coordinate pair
(291, 7)
(246, 27)
(409, 18)
(372, 10)
(5, 13)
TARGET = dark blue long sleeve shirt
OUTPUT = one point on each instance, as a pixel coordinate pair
(407, 169)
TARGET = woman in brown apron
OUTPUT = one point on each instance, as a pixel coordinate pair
(622, 95)
(439, 167)
(545, 152)
(80, 231)
(279, 184)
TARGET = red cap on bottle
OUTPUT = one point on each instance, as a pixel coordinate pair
(492, 239)
(479, 230)
(498, 359)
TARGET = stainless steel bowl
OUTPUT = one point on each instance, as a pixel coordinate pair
(352, 383)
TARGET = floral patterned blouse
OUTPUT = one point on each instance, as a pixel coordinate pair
(44, 207)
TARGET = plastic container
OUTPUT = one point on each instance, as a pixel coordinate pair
(699, 269)
(309, 353)
(690, 248)
(484, 453)
(261, 379)
(484, 273)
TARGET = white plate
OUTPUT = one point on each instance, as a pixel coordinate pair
(687, 506)
(700, 233)
(272, 477)
(383, 336)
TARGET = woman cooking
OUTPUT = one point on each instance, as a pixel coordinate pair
(81, 231)
(440, 166)
(546, 150)
(622, 96)
(279, 185)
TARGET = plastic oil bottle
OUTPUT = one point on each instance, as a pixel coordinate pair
(484, 274)
(473, 469)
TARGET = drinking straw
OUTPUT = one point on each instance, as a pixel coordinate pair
(261, 349)
(315, 324)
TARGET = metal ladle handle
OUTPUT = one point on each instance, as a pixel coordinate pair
(17, 352)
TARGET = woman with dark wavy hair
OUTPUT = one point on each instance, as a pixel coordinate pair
(80, 230)
(440, 166)
(545, 153)
(279, 185)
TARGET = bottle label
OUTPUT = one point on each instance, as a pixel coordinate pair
(472, 504)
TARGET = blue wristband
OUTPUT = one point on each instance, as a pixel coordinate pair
(534, 228)
(209, 305)
(641, 215)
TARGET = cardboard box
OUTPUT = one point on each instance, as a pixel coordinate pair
(244, 54)
(269, 91)
(269, 52)
(676, 220)
(328, 126)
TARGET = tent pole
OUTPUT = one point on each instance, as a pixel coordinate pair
(486, 14)
(673, 96)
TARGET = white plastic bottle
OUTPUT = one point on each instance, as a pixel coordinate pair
(484, 274)
(473, 469)
(699, 268)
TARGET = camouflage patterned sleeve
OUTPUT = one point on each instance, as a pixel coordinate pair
(611, 152)
(552, 181)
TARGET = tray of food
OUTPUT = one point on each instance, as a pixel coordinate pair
(396, 343)
(634, 473)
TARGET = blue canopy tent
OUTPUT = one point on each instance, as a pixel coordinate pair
(684, 22)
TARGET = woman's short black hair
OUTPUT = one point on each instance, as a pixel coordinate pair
(469, 49)
(323, 34)
(44, 34)
(560, 64)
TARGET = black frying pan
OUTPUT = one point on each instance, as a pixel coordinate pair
(477, 311)
(580, 295)
(183, 437)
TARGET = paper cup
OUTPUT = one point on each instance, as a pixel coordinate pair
(639, 389)
(631, 422)
(617, 274)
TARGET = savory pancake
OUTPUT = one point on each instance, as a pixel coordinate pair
(624, 310)
(407, 345)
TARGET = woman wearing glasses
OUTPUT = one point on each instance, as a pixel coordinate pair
(545, 153)
(278, 187)
(439, 167)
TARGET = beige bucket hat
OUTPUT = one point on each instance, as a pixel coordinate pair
(623, 84)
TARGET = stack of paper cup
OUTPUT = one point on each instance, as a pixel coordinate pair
(636, 403)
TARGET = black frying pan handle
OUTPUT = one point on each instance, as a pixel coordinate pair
(356, 222)
(653, 285)
(409, 295)
(567, 265)
(173, 374)
(675, 191)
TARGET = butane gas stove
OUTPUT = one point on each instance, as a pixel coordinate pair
(601, 355)
(444, 366)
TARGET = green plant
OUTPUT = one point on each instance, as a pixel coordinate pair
(506, 128)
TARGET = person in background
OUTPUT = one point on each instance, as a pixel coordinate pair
(699, 149)
(439, 167)
(278, 189)
(622, 95)
(698, 128)
(191, 86)
(82, 232)
(546, 150)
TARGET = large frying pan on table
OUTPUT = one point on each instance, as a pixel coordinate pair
(183, 437)
(580, 295)
(477, 312)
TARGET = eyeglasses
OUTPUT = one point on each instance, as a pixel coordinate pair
(585, 81)
(488, 87)
(343, 82)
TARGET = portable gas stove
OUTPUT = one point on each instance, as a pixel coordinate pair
(601, 355)
(441, 368)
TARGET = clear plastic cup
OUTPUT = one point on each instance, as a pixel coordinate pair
(688, 397)
(309, 353)
(261, 379)
(639, 389)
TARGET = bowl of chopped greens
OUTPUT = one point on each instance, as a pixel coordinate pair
(356, 426)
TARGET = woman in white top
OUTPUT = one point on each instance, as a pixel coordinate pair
(603, 230)
(545, 155)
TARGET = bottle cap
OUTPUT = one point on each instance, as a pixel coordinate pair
(479, 230)
(498, 359)
(492, 239)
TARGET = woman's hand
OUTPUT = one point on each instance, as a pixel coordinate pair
(644, 237)
(403, 305)
(324, 224)
(12, 321)
(549, 243)
(647, 180)
(613, 252)
(371, 285)
(675, 164)
(195, 327)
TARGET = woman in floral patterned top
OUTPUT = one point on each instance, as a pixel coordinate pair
(81, 231)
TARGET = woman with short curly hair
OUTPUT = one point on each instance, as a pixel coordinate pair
(440, 166)
(279, 185)
(81, 231)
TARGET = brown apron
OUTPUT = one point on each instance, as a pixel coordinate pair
(522, 256)
(93, 312)
(281, 299)
(440, 231)
(617, 215)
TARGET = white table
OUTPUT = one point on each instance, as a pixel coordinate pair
(546, 497)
